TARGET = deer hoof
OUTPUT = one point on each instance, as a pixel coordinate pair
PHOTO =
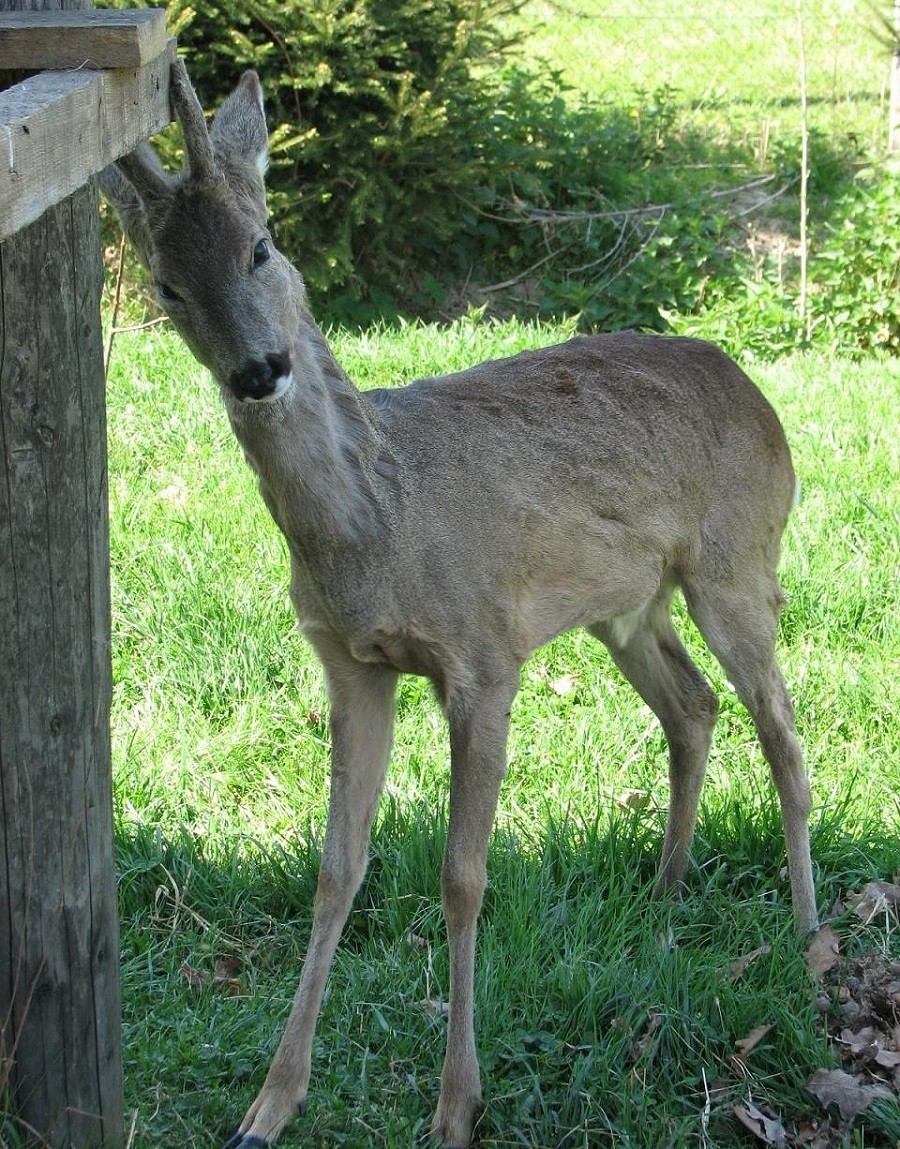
(246, 1141)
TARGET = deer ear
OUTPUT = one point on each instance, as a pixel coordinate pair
(131, 185)
(239, 133)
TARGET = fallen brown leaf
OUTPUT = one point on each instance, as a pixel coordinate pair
(196, 978)
(763, 1125)
(874, 899)
(869, 1045)
(563, 685)
(654, 1021)
(739, 967)
(824, 952)
(747, 1044)
(634, 799)
(226, 975)
(862, 1044)
(848, 1093)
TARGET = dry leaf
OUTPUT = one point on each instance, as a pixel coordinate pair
(874, 899)
(862, 1044)
(762, 1125)
(867, 1044)
(666, 941)
(754, 1037)
(654, 1021)
(226, 975)
(227, 968)
(739, 967)
(718, 1090)
(815, 1134)
(835, 1087)
(824, 952)
(634, 799)
(176, 493)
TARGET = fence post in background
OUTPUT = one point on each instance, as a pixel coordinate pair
(894, 128)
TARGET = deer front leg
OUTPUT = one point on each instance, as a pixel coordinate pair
(478, 730)
(362, 708)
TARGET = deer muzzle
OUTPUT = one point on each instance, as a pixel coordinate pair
(262, 380)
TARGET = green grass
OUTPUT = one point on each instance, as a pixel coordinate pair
(600, 1014)
(603, 1018)
(735, 69)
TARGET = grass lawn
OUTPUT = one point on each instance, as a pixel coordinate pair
(732, 71)
(603, 1018)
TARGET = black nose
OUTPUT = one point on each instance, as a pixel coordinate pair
(259, 379)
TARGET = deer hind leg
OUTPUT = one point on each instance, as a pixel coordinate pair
(362, 707)
(478, 729)
(648, 651)
(740, 622)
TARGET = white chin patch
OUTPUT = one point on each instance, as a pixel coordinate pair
(282, 384)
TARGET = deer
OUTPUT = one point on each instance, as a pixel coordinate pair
(452, 526)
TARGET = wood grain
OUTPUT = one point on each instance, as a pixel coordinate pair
(104, 39)
(58, 974)
(57, 129)
(60, 1016)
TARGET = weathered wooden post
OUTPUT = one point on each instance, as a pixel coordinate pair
(894, 124)
(60, 1025)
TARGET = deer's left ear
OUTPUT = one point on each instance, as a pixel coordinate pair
(239, 133)
(133, 186)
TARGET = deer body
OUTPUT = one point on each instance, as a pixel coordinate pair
(412, 508)
(450, 527)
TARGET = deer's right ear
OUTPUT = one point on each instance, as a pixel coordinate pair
(131, 185)
(239, 134)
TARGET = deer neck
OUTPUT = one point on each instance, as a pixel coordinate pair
(315, 452)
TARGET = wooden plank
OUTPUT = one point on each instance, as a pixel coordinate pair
(57, 129)
(32, 41)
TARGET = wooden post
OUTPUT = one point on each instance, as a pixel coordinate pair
(59, 971)
(60, 1024)
(894, 123)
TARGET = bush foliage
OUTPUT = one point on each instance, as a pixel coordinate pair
(374, 106)
(419, 167)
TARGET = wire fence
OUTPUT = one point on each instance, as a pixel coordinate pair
(719, 53)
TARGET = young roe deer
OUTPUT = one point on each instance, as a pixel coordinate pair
(451, 527)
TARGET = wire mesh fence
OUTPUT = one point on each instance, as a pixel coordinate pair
(718, 53)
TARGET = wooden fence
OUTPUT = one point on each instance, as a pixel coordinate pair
(95, 83)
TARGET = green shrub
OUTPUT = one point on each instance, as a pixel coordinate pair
(418, 168)
(375, 106)
(855, 272)
(569, 224)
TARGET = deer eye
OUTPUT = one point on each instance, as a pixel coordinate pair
(167, 296)
(262, 252)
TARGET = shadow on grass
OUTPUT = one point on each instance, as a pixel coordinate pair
(603, 1017)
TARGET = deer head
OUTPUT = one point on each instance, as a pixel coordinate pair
(235, 299)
